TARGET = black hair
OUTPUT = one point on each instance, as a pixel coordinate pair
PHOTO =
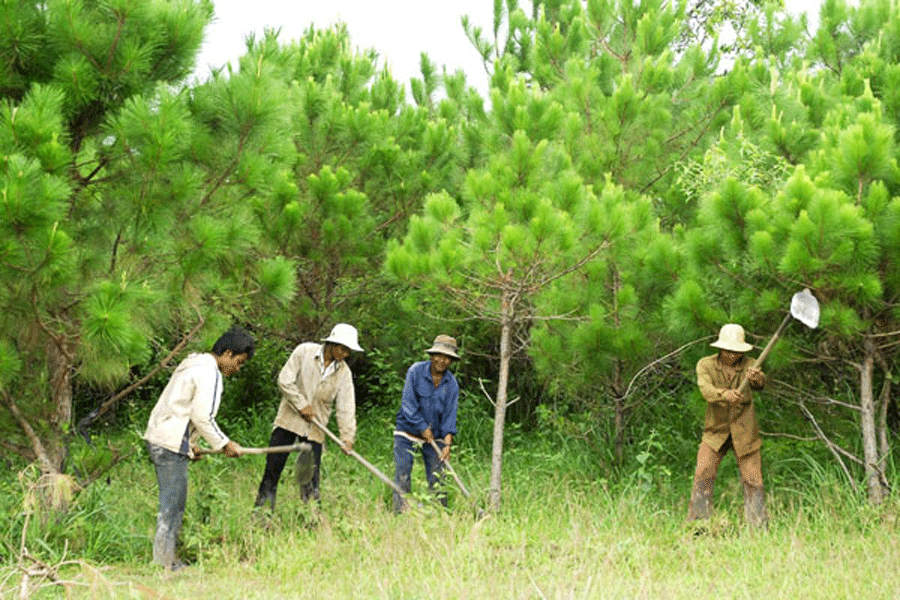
(237, 340)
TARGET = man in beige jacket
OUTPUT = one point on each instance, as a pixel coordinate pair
(186, 411)
(730, 424)
(314, 380)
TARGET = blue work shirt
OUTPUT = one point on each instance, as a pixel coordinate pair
(425, 406)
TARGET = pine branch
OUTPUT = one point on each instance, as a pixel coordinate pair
(90, 418)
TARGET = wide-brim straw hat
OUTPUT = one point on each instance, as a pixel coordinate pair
(731, 337)
(444, 344)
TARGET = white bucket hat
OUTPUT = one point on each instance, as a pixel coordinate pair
(731, 337)
(345, 335)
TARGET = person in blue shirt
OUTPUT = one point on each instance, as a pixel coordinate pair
(427, 414)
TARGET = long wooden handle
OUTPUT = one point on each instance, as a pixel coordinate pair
(267, 450)
(364, 462)
(452, 472)
(765, 352)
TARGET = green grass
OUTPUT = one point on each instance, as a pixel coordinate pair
(571, 527)
(558, 536)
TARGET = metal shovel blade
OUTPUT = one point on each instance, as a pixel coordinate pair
(305, 467)
(805, 308)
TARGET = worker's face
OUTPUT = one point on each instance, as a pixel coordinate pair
(729, 357)
(339, 352)
(230, 363)
(440, 363)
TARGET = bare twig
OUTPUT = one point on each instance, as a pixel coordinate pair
(659, 360)
(831, 446)
(486, 394)
(789, 436)
(817, 399)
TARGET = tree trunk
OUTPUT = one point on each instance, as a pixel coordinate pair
(620, 429)
(494, 494)
(884, 445)
(59, 366)
(874, 477)
(618, 401)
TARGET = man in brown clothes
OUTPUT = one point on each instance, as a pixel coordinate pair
(730, 424)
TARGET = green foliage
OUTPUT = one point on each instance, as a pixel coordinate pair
(622, 197)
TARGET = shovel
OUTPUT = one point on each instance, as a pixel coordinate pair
(804, 308)
(452, 472)
(479, 512)
(362, 461)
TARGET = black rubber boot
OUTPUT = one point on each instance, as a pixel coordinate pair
(266, 495)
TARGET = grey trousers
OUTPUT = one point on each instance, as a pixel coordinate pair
(172, 477)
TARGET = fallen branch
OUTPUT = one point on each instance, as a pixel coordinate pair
(36, 444)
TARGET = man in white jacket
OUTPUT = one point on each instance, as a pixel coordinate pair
(314, 379)
(186, 411)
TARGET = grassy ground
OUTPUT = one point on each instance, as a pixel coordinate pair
(560, 535)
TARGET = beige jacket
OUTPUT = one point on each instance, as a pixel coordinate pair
(187, 407)
(302, 384)
(723, 419)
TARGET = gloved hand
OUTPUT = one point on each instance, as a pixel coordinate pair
(307, 412)
(756, 378)
(232, 449)
(428, 436)
(733, 397)
(347, 446)
(195, 453)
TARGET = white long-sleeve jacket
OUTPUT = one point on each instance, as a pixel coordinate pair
(302, 384)
(187, 407)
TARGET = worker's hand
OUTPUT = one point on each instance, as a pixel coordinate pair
(195, 453)
(307, 412)
(427, 435)
(733, 397)
(756, 378)
(232, 449)
(445, 452)
(347, 446)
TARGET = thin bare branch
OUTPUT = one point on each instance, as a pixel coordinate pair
(36, 444)
(789, 436)
(835, 450)
(659, 360)
(486, 394)
(816, 399)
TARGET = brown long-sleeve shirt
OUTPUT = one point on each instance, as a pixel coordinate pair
(722, 418)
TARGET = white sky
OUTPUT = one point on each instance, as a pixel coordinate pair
(399, 30)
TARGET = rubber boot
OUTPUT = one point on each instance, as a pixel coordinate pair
(266, 495)
(700, 506)
(755, 507)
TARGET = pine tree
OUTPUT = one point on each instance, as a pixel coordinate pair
(524, 221)
(829, 223)
(125, 201)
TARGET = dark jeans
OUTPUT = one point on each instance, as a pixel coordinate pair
(404, 453)
(172, 477)
(268, 487)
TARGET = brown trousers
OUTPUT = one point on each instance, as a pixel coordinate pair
(750, 467)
